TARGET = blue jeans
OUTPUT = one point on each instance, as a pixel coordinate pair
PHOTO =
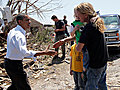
(96, 79)
(79, 84)
(85, 58)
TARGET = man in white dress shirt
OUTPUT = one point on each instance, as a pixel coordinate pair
(16, 51)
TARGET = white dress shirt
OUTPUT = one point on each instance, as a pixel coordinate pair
(16, 44)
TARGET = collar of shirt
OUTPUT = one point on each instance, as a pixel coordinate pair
(20, 29)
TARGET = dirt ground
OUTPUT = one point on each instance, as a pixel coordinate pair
(57, 77)
(43, 76)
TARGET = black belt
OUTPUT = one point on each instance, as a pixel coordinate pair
(13, 60)
(60, 34)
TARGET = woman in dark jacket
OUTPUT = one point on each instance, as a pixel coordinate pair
(93, 37)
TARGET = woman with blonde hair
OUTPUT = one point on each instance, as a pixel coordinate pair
(93, 37)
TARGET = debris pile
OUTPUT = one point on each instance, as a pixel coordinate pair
(33, 69)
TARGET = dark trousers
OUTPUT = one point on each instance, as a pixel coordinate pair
(79, 84)
(57, 38)
(72, 42)
(66, 31)
(14, 69)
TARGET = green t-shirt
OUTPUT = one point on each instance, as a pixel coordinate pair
(77, 33)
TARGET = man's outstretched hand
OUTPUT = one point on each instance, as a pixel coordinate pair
(57, 44)
(46, 52)
(50, 52)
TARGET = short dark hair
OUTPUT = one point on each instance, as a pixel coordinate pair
(65, 16)
(53, 17)
(20, 17)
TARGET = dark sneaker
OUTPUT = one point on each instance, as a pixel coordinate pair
(56, 60)
(55, 57)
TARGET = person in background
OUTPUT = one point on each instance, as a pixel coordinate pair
(65, 22)
(60, 34)
(2, 34)
(6, 28)
(16, 51)
(76, 67)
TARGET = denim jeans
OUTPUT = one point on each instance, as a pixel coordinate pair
(79, 84)
(85, 58)
(96, 79)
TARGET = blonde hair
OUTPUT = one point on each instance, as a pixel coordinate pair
(87, 8)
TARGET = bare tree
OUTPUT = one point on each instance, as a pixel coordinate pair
(38, 7)
(29, 7)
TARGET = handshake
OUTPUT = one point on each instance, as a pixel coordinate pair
(46, 52)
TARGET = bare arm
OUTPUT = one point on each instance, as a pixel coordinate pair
(61, 42)
(79, 47)
(69, 39)
(46, 52)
